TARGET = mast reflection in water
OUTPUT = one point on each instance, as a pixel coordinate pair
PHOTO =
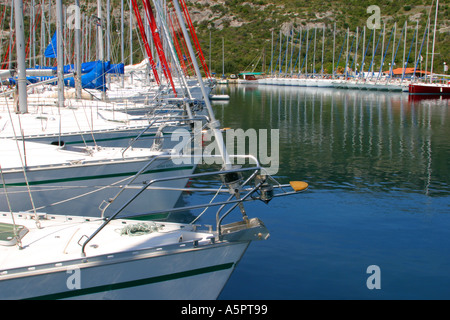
(379, 173)
(349, 138)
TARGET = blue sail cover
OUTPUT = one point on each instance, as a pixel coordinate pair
(86, 67)
(94, 79)
(118, 68)
(50, 51)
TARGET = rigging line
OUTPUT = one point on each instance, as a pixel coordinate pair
(300, 49)
(409, 54)
(83, 194)
(195, 38)
(340, 54)
(207, 207)
(38, 224)
(274, 45)
(385, 53)
(16, 235)
(185, 51)
(285, 53)
(145, 41)
(365, 53)
(308, 42)
(33, 30)
(91, 125)
(177, 44)
(374, 53)
(349, 55)
(157, 43)
(279, 55)
(251, 63)
(79, 129)
(356, 51)
(6, 194)
(2, 25)
(289, 66)
(391, 71)
(420, 53)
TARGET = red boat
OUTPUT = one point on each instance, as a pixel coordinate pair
(429, 88)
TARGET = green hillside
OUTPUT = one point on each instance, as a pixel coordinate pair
(247, 27)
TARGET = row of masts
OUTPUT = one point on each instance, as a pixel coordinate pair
(157, 30)
(87, 35)
(296, 52)
(40, 24)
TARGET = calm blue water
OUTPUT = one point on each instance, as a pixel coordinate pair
(379, 173)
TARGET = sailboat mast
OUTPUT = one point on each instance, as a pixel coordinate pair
(404, 51)
(223, 57)
(314, 56)
(131, 38)
(382, 50)
(300, 51)
(355, 61)
(122, 48)
(391, 71)
(348, 53)
(101, 55)
(60, 52)
(373, 50)
(20, 47)
(334, 46)
(214, 124)
(11, 34)
(77, 50)
(271, 59)
(307, 49)
(434, 40)
(363, 53)
(323, 48)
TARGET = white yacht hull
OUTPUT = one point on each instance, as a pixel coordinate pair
(197, 274)
(79, 189)
(169, 261)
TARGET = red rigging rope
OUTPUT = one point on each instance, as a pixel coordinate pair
(187, 56)
(1, 23)
(144, 39)
(187, 17)
(158, 44)
(5, 60)
(177, 45)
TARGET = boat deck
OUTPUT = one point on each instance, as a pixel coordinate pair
(58, 240)
(34, 154)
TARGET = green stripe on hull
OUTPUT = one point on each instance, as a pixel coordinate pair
(108, 139)
(134, 283)
(129, 137)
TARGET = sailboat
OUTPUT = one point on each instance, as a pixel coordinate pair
(431, 88)
(74, 257)
(61, 256)
(65, 173)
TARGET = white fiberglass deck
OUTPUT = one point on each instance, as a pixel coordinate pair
(59, 239)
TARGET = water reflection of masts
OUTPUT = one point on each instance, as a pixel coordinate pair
(428, 151)
(382, 130)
